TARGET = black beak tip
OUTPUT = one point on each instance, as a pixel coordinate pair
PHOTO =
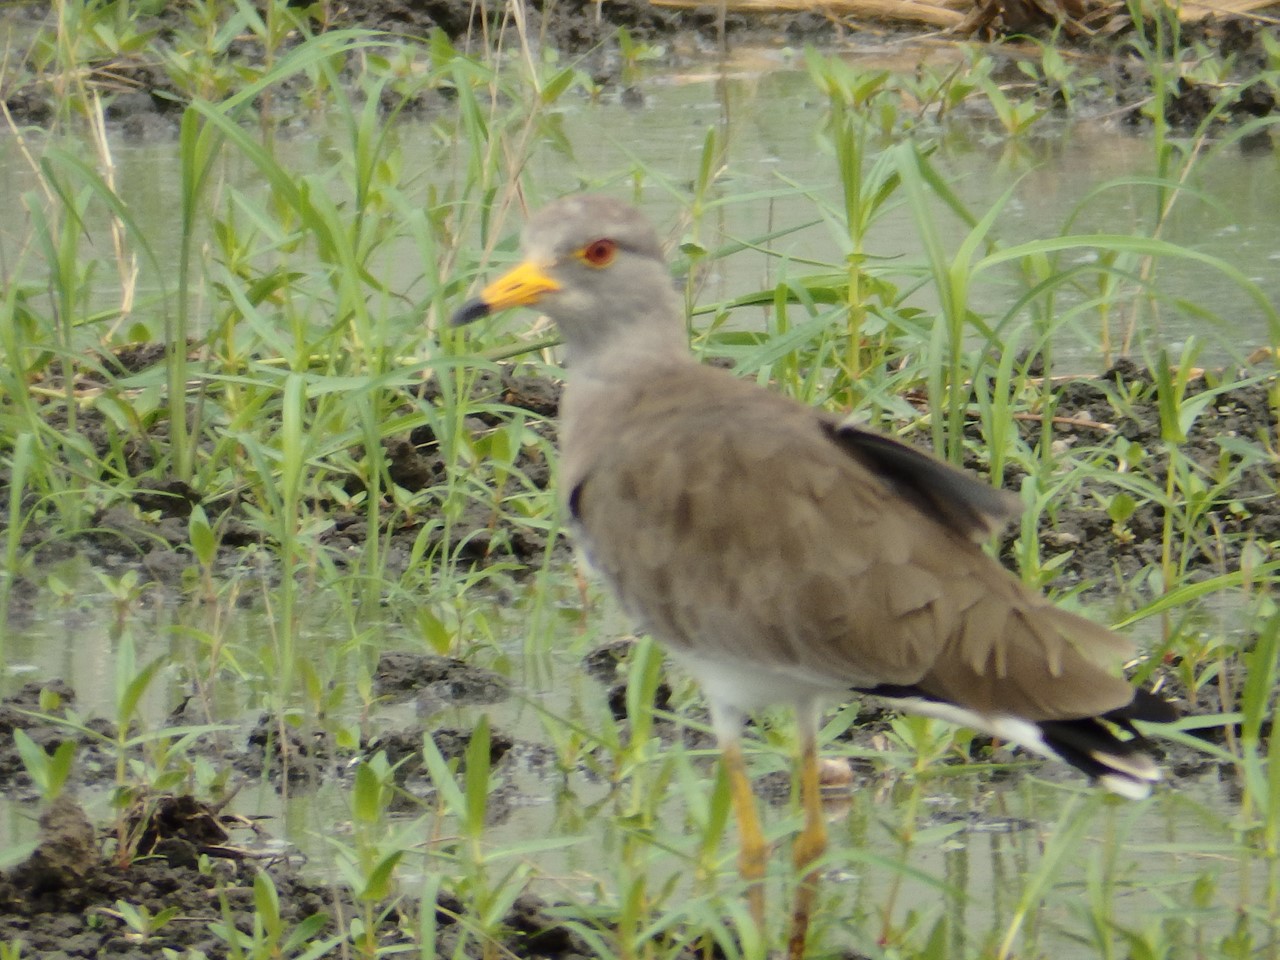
(470, 312)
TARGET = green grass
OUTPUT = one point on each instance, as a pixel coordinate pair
(296, 346)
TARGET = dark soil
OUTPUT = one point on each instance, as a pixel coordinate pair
(1232, 439)
(142, 100)
(147, 529)
(65, 901)
(185, 856)
(1229, 445)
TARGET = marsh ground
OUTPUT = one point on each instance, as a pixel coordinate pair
(65, 899)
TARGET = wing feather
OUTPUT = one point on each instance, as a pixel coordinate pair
(737, 523)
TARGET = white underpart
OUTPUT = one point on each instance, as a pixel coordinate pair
(736, 689)
(1014, 729)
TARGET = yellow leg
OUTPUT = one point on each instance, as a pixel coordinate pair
(810, 844)
(584, 600)
(751, 856)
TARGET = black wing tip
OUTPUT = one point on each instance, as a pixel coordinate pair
(953, 497)
(1110, 748)
(1124, 765)
(1106, 748)
(1147, 706)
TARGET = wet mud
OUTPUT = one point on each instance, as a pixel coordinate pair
(178, 854)
(184, 894)
(181, 860)
(143, 101)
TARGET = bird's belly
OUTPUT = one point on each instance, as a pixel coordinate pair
(745, 685)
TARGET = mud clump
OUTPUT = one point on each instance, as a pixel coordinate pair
(171, 870)
(68, 901)
(433, 680)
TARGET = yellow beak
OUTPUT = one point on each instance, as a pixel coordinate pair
(523, 286)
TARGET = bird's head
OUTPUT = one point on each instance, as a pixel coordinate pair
(595, 266)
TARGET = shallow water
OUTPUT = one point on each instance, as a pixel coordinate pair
(976, 843)
(777, 171)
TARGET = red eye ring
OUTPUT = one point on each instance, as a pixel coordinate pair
(599, 253)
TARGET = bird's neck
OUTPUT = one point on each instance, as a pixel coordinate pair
(623, 360)
(602, 385)
(659, 343)
(596, 404)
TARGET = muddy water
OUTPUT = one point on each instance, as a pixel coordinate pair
(771, 125)
(777, 172)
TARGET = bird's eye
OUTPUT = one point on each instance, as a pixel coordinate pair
(598, 253)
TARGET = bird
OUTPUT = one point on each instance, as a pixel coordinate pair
(785, 556)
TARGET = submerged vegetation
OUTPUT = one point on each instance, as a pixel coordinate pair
(231, 386)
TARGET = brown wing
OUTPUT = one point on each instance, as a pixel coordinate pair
(733, 518)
